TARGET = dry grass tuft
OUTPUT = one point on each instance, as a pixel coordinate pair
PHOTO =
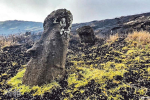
(112, 38)
(15, 39)
(4, 41)
(141, 37)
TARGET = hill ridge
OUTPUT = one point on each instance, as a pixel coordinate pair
(101, 27)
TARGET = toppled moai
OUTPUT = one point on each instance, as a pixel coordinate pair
(48, 55)
(86, 34)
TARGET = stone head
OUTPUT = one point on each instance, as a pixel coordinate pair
(60, 17)
(59, 20)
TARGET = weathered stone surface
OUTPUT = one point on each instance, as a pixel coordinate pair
(86, 34)
(49, 53)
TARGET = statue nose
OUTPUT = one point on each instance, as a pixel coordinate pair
(63, 22)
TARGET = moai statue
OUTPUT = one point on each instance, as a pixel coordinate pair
(86, 34)
(48, 55)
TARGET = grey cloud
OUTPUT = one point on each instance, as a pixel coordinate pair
(83, 10)
(30, 5)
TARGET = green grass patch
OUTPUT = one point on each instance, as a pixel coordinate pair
(16, 83)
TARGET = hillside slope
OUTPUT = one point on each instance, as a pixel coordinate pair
(15, 26)
(118, 69)
(124, 24)
(121, 25)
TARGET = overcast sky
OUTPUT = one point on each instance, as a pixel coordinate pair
(82, 10)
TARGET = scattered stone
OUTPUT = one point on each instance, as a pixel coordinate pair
(49, 53)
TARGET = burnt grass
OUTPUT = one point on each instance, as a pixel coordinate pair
(12, 58)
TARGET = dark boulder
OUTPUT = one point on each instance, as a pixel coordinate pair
(49, 53)
(86, 34)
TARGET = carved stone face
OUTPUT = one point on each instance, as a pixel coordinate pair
(62, 17)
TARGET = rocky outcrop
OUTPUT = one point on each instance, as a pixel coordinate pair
(49, 53)
(86, 34)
